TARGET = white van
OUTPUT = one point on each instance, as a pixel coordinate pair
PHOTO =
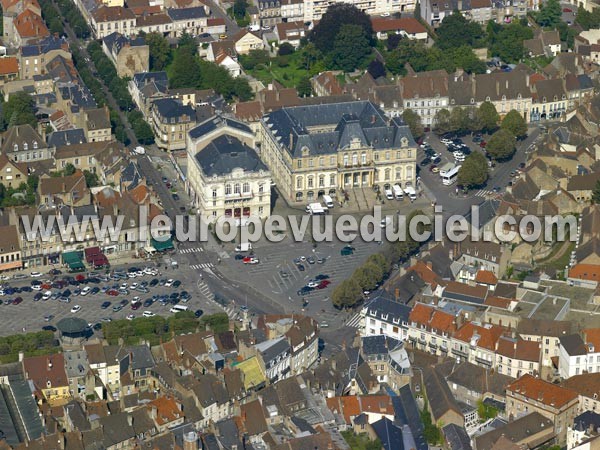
(328, 201)
(389, 195)
(398, 195)
(316, 209)
(178, 308)
(244, 247)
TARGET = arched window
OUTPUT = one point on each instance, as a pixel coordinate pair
(227, 189)
(214, 192)
(345, 160)
(246, 187)
(236, 188)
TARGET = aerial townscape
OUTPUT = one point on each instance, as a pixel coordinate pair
(179, 269)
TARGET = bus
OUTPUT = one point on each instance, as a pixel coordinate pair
(449, 177)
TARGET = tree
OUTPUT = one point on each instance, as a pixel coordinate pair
(486, 412)
(474, 171)
(501, 145)
(392, 41)
(456, 31)
(304, 87)
(286, 49)
(69, 170)
(442, 121)
(506, 41)
(413, 120)
(487, 117)
(160, 52)
(549, 14)
(185, 70)
(431, 432)
(368, 275)
(91, 179)
(346, 294)
(350, 48)
(514, 123)
(596, 193)
(255, 58)
(376, 69)
(239, 8)
(336, 16)
(19, 110)
(460, 119)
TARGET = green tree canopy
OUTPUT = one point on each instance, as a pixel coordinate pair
(337, 15)
(515, 124)
(501, 145)
(239, 8)
(19, 110)
(549, 14)
(413, 120)
(596, 193)
(456, 31)
(473, 171)
(160, 52)
(368, 275)
(286, 49)
(506, 41)
(441, 121)
(346, 294)
(487, 117)
(185, 69)
(304, 87)
(460, 120)
(350, 48)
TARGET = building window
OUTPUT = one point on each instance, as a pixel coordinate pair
(236, 188)
(310, 182)
(345, 160)
(227, 189)
(321, 180)
(363, 158)
(321, 162)
(332, 182)
(246, 188)
(387, 174)
(299, 183)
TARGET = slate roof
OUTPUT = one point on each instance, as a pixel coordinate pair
(379, 345)
(406, 413)
(573, 344)
(226, 153)
(347, 121)
(389, 434)
(45, 45)
(440, 398)
(217, 122)
(456, 437)
(157, 79)
(396, 313)
(66, 137)
(116, 41)
(186, 13)
(516, 431)
(479, 380)
(170, 108)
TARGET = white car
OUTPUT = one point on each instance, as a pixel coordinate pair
(149, 271)
(312, 284)
(254, 28)
(132, 274)
(133, 285)
(385, 14)
(130, 316)
(148, 314)
(124, 285)
(35, 274)
(75, 309)
(135, 300)
(47, 295)
(85, 291)
(169, 282)
(36, 287)
(266, 28)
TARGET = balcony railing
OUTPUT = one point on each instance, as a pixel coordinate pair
(485, 362)
(459, 352)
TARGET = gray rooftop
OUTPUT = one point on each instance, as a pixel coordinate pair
(226, 153)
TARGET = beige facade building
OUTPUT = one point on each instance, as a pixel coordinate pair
(226, 177)
(320, 149)
(171, 120)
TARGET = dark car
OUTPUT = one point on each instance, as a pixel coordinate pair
(26, 289)
(95, 290)
(425, 162)
(153, 282)
(135, 306)
(176, 284)
(49, 328)
(321, 276)
(347, 250)
(184, 295)
(148, 302)
(124, 302)
(67, 293)
(300, 267)
(97, 326)
(305, 290)
(239, 256)
(198, 313)
(437, 160)
(105, 305)
(17, 300)
(37, 297)
(175, 197)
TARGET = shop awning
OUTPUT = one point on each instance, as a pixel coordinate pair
(161, 245)
(69, 257)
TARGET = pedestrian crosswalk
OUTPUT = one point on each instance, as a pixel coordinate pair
(231, 312)
(205, 290)
(203, 266)
(354, 321)
(191, 250)
(484, 193)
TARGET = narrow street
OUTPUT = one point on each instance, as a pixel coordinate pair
(232, 26)
(81, 47)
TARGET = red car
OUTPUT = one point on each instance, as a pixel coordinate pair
(567, 10)
(80, 277)
(323, 284)
(482, 144)
(46, 286)
(17, 300)
(112, 292)
(250, 260)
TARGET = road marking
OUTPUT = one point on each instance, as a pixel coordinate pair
(354, 321)
(484, 193)
(191, 250)
(202, 266)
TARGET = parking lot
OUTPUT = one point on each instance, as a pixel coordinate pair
(29, 315)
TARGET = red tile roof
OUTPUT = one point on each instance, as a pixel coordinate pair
(519, 349)
(542, 391)
(432, 318)
(592, 336)
(46, 371)
(585, 272)
(408, 24)
(9, 65)
(427, 274)
(486, 277)
(498, 302)
(29, 25)
(167, 410)
(352, 406)
(488, 334)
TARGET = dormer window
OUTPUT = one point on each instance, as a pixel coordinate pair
(504, 98)
(35, 144)
(487, 99)
(25, 146)
(472, 101)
